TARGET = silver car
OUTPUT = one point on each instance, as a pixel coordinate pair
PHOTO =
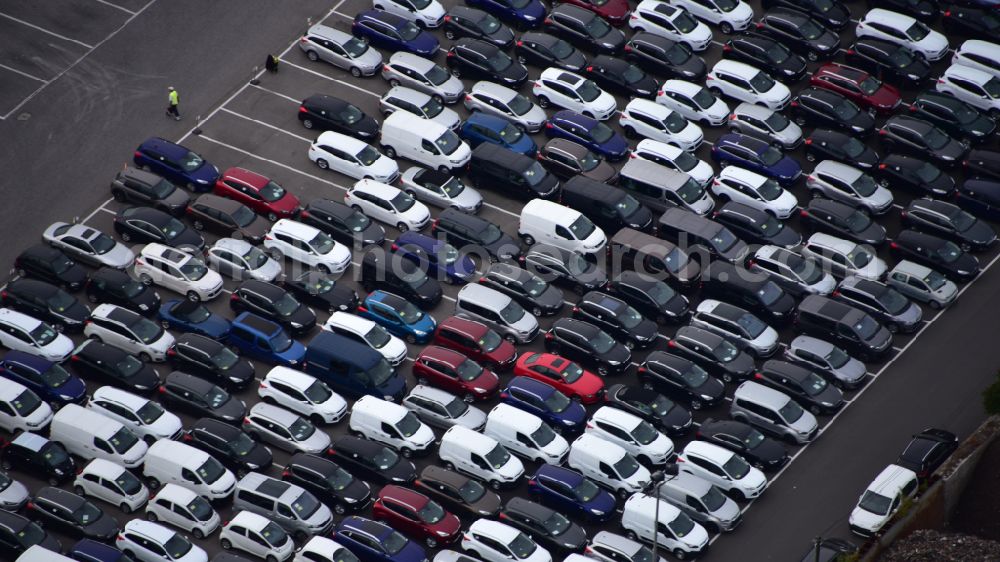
(830, 361)
(923, 284)
(890, 307)
(420, 104)
(284, 429)
(795, 273)
(847, 184)
(88, 245)
(609, 547)
(341, 50)
(240, 259)
(440, 190)
(767, 124)
(507, 103)
(743, 328)
(418, 73)
(701, 501)
(442, 409)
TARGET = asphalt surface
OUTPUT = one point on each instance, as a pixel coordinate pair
(84, 124)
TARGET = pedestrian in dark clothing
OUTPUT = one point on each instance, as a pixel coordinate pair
(271, 64)
(173, 100)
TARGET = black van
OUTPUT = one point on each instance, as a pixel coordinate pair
(748, 289)
(692, 231)
(396, 274)
(495, 167)
(648, 254)
(842, 324)
(609, 207)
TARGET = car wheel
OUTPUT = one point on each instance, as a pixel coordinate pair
(727, 378)
(813, 56)
(165, 324)
(198, 225)
(678, 553)
(528, 239)
(153, 484)
(456, 72)
(410, 338)
(630, 132)
(543, 102)
(521, 59)
(78, 490)
(449, 465)
(406, 452)
(145, 279)
(521, 127)
(226, 545)
(145, 357)
(579, 289)
(697, 404)
(537, 311)
(995, 114)
(193, 296)
(312, 55)
(322, 164)
(661, 319)
(241, 472)
(934, 304)
(403, 227)
(128, 553)
(736, 494)
(270, 557)
(892, 327)
(814, 409)
(323, 268)
(810, 157)
(273, 217)
(630, 534)
(726, 27)
(125, 236)
(151, 516)
(495, 484)
(389, 151)
(355, 72)
(630, 344)
(95, 337)
(468, 398)
(801, 122)
(624, 494)
(317, 420)
(449, 34)
(124, 508)
(510, 338)
(603, 370)
(119, 196)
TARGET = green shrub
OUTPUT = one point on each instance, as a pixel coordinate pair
(991, 397)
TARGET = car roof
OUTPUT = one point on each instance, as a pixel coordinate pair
(753, 110)
(26, 359)
(410, 498)
(496, 529)
(443, 354)
(968, 73)
(577, 119)
(418, 63)
(250, 520)
(753, 143)
(895, 19)
(495, 90)
(216, 427)
(274, 413)
(172, 255)
(378, 189)
(816, 345)
(486, 120)
(132, 401)
(154, 531)
(228, 206)
(832, 242)
(978, 46)
(295, 228)
(407, 94)
(657, 110)
(786, 14)
(528, 508)
(233, 245)
(617, 542)
(532, 386)
(708, 450)
(329, 33)
(167, 148)
(912, 268)
(358, 445)
(735, 67)
(383, 16)
(347, 143)
(189, 381)
(431, 393)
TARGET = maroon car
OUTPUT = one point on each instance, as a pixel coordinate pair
(615, 11)
(858, 86)
(476, 341)
(454, 372)
(257, 192)
(416, 515)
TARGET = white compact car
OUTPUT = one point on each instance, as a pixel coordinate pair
(847, 184)
(493, 541)
(145, 418)
(126, 330)
(113, 483)
(257, 535)
(88, 245)
(729, 15)
(302, 393)
(675, 158)
(562, 88)
(723, 468)
(285, 430)
(646, 118)
(25, 333)
(693, 101)
(240, 259)
(425, 13)
(148, 542)
(308, 245)
(352, 157)
(978, 54)
(322, 549)
(903, 30)
(369, 333)
(388, 204)
(672, 22)
(421, 104)
(21, 409)
(184, 509)
(502, 101)
(418, 73)
(441, 189)
(178, 271)
(976, 87)
(631, 433)
(747, 84)
(882, 499)
(757, 191)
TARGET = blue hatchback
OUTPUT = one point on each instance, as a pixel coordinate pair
(189, 316)
(176, 163)
(398, 316)
(525, 14)
(437, 258)
(259, 338)
(480, 128)
(48, 380)
(93, 551)
(756, 155)
(545, 402)
(372, 541)
(591, 133)
(570, 492)
(392, 32)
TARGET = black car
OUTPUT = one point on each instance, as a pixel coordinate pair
(333, 485)
(831, 13)
(321, 291)
(564, 267)
(546, 526)
(767, 54)
(18, 533)
(842, 220)
(755, 226)
(330, 113)
(585, 29)
(372, 460)
(621, 77)
(824, 144)
(967, 21)
(44, 262)
(805, 386)
(72, 514)
(953, 115)
(801, 32)
(651, 297)
(915, 175)
(345, 224)
(182, 391)
(949, 221)
(142, 225)
(462, 230)
(478, 60)
(980, 197)
(458, 492)
(398, 275)
(821, 107)
(114, 286)
(45, 302)
(682, 379)
(566, 159)
(983, 163)
(927, 451)
(526, 288)
(916, 136)
(616, 317)
(544, 51)
(463, 21)
(133, 185)
(889, 61)
(759, 450)
(36, 455)
(274, 303)
(211, 360)
(714, 353)
(936, 253)
(830, 550)
(110, 364)
(924, 10)
(514, 174)
(658, 54)
(746, 289)
(229, 445)
(651, 406)
(587, 344)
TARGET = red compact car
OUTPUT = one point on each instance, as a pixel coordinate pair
(477, 341)
(563, 374)
(455, 373)
(416, 515)
(857, 85)
(257, 192)
(615, 11)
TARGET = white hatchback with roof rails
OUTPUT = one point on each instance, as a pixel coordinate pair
(257, 535)
(388, 204)
(723, 468)
(978, 54)
(303, 394)
(673, 22)
(632, 433)
(369, 333)
(693, 101)
(757, 191)
(421, 104)
(882, 499)
(145, 418)
(425, 13)
(729, 15)
(747, 84)
(25, 333)
(574, 92)
(497, 542)
(903, 30)
(306, 244)
(675, 158)
(352, 157)
(178, 271)
(847, 184)
(646, 118)
(975, 87)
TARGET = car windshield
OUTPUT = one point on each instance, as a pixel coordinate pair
(769, 190)
(408, 31)
(489, 24)
(191, 162)
(814, 384)
(55, 376)
(928, 172)
(678, 54)
(681, 525)
(846, 110)
(684, 22)
(286, 305)
(377, 337)
(865, 185)
(273, 534)
(771, 226)
(432, 512)
(949, 252)
(557, 402)
(385, 459)
(660, 292)
(572, 373)
(751, 324)
(499, 61)
(769, 293)
(556, 524)
(60, 301)
(644, 434)
(60, 264)
(770, 156)
(509, 133)
(87, 513)
(128, 366)
(194, 269)
(201, 509)
(456, 408)
(437, 75)
(162, 189)
(723, 239)
(597, 27)
(318, 392)
(490, 341)
(172, 228)
(394, 543)
(243, 216)
(917, 31)
(601, 133)
(859, 257)
(471, 491)
(810, 30)
(490, 234)
(149, 412)
(853, 148)
(242, 445)
(674, 122)
(381, 372)
(714, 499)
(355, 47)
(893, 301)
(629, 317)
(936, 138)
(448, 143)
(102, 243)
(875, 503)
(691, 192)
(432, 108)
(368, 155)
(935, 280)
(685, 161)
(561, 49)
(512, 313)
(736, 467)
(519, 105)
(777, 122)
(43, 334)
(870, 85)
(216, 397)
(301, 429)
(322, 243)
(761, 82)
(126, 480)
(177, 546)
(582, 228)
(305, 505)
(857, 221)
(535, 173)
(778, 53)
(602, 342)
(273, 192)
(632, 74)
(588, 90)
(704, 99)
(725, 351)
(498, 457)
(753, 439)
(123, 440)
(409, 312)
(469, 370)
(26, 402)
(791, 412)
(56, 455)
(543, 435)
(626, 466)
(522, 546)
(339, 479)
(224, 359)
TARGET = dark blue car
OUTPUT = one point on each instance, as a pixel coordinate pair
(545, 402)
(48, 380)
(392, 32)
(525, 14)
(190, 316)
(756, 155)
(571, 493)
(398, 316)
(480, 128)
(589, 132)
(259, 338)
(372, 541)
(437, 258)
(176, 163)
(89, 550)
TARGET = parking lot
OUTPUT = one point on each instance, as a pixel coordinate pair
(257, 128)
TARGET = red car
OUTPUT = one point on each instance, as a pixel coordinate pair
(562, 374)
(454, 372)
(857, 85)
(615, 11)
(476, 341)
(257, 192)
(416, 515)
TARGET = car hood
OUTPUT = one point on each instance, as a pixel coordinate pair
(424, 44)
(786, 238)
(575, 61)
(953, 151)
(787, 169)
(863, 123)
(206, 174)
(230, 410)
(448, 117)
(75, 276)
(58, 349)
(14, 496)
(618, 355)
(503, 353)
(933, 43)
(867, 520)
(516, 72)
(71, 390)
(605, 173)
(828, 42)
(573, 538)
(189, 238)
(148, 301)
(615, 147)
(504, 247)
(488, 505)
(678, 305)
(473, 418)
(258, 458)
(145, 380)
(831, 396)
(874, 233)
(179, 199)
(980, 233)
(741, 365)
(770, 452)
(104, 527)
(502, 37)
(77, 312)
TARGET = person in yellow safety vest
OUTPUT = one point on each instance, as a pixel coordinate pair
(173, 101)
(271, 64)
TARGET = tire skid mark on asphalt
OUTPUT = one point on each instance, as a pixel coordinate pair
(46, 31)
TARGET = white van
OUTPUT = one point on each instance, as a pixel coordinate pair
(173, 462)
(185, 510)
(423, 141)
(882, 499)
(525, 434)
(608, 464)
(674, 530)
(479, 456)
(89, 435)
(392, 424)
(557, 225)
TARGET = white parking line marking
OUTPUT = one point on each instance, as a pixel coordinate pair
(343, 15)
(268, 125)
(275, 162)
(25, 74)
(116, 6)
(279, 94)
(330, 78)
(43, 30)
(95, 211)
(106, 210)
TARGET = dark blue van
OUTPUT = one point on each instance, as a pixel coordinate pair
(352, 368)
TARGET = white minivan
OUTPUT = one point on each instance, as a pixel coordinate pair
(525, 434)
(557, 225)
(392, 424)
(668, 526)
(424, 142)
(608, 464)
(882, 499)
(173, 462)
(89, 435)
(480, 456)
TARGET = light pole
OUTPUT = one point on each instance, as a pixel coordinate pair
(656, 479)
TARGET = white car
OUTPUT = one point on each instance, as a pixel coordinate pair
(844, 258)
(675, 158)
(729, 15)
(747, 84)
(646, 118)
(421, 104)
(693, 101)
(672, 22)
(25, 333)
(881, 499)
(418, 73)
(976, 87)
(21, 409)
(126, 330)
(257, 535)
(388, 204)
(757, 191)
(369, 333)
(149, 542)
(493, 541)
(903, 30)
(723, 468)
(502, 101)
(88, 245)
(978, 54)
(562, 88)
(308, 245)
(425, 13)
(178, 271)
(441, 189)
(284, 429)
(184, 509)
(631, 433)
(302, 393)
(113, 483)
(322, 549)
(352, 157)
(242, 260)
(847, 184)
(142, 416)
